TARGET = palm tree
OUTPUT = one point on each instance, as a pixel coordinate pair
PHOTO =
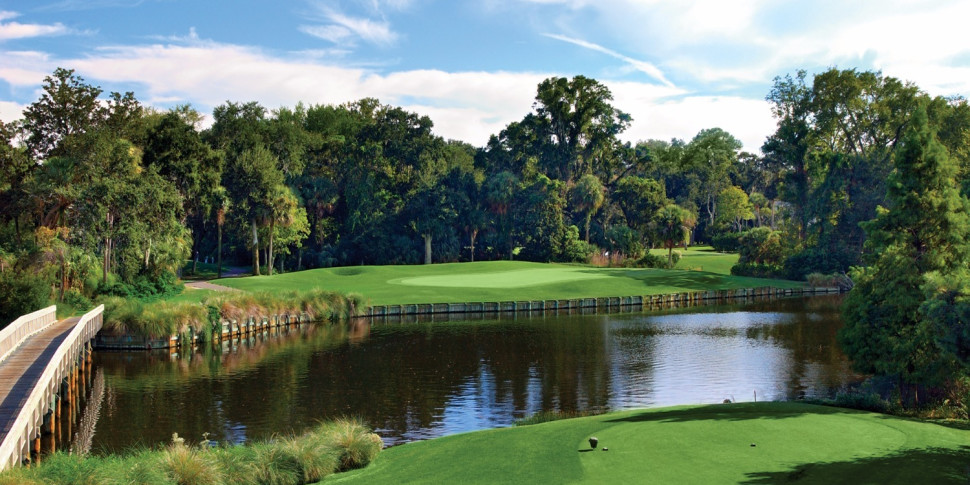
(673, 223)
(588, 197)
(282, 208)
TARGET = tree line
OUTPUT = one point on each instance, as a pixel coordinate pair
(102, 195)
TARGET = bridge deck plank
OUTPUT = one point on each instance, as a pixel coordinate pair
(19, 371)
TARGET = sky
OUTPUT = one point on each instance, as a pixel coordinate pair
(676, 66)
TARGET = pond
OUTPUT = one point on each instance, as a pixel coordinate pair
(413, 381)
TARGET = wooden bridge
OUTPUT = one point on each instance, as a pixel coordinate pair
(43, 364)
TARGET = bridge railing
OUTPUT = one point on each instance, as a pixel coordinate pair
(16, 445)
(12, 335)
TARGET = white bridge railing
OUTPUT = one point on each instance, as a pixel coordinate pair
(12, 335)
(16, 445)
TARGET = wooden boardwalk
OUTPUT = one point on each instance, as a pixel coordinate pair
(20, 371)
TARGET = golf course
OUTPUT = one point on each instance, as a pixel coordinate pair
(724, 443)
(699, 270)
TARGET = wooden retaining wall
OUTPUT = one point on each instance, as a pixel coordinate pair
(614, 303)
(231, 329)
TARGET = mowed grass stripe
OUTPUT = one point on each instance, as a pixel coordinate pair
(793, 442)
(498, 281)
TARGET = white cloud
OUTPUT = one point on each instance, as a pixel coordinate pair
(332, 33)
(10, 111)
(749, 120)
(642, 66)
(468, 106)
(17, 30)
(339, 27)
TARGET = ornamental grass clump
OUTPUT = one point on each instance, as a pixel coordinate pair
(355, 446)
(186, 465)
(330, 447)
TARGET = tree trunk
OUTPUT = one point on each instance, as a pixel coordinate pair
(474, 234)
(773, 227)
(219, 250)
(589, 218)
(269, 256)
(299, 259)
(255, 250)
(670, 253)
(195, 263)
(104, 264)
(427, 248)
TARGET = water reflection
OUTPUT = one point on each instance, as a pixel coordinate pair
(423, 379)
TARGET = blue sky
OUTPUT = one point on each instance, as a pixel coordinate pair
(676, 66)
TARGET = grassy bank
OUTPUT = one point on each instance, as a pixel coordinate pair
(506, 280)
(733, 443)
(330, 448)
(166, 318)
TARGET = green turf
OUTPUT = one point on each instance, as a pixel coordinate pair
(495, 281)
(702, 444)
(703, 258)
(190, 295)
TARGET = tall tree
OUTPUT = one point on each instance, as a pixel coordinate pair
(922, 235)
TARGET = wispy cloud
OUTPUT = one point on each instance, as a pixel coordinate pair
(17, 30)
(642, 66)
(341, 28)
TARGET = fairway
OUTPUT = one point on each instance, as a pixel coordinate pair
(505, 279)
(493, 281)
(731, 443)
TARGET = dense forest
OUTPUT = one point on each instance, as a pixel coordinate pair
(102, 195)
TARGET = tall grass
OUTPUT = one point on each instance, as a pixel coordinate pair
(164, 319)
(329, 448)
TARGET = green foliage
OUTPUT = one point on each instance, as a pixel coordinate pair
(757, 270)
(728, 242)
(761, 245)
(575, 250)
(20, 294)
(921, 238)
(733, 207)
(624, 240)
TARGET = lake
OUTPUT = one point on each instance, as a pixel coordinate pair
(413, 381)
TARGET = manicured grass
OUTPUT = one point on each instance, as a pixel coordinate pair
(699, 444)
(191, 295)
(503, 281)
(702, 258)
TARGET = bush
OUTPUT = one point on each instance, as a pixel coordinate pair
(817, 260)
(727, 242)
(20, 294)
(833, 280)
(575, 250)
(757, 270)
(760, 245)
(650, 260)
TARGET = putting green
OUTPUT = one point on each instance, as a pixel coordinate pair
(505, 279)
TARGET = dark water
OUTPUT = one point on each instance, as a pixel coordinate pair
(414, 381)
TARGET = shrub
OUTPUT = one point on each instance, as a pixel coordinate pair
(833, 280)
(757, 270)
(726, 243)
(651, 261)
(760, 245)
(20, 294)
